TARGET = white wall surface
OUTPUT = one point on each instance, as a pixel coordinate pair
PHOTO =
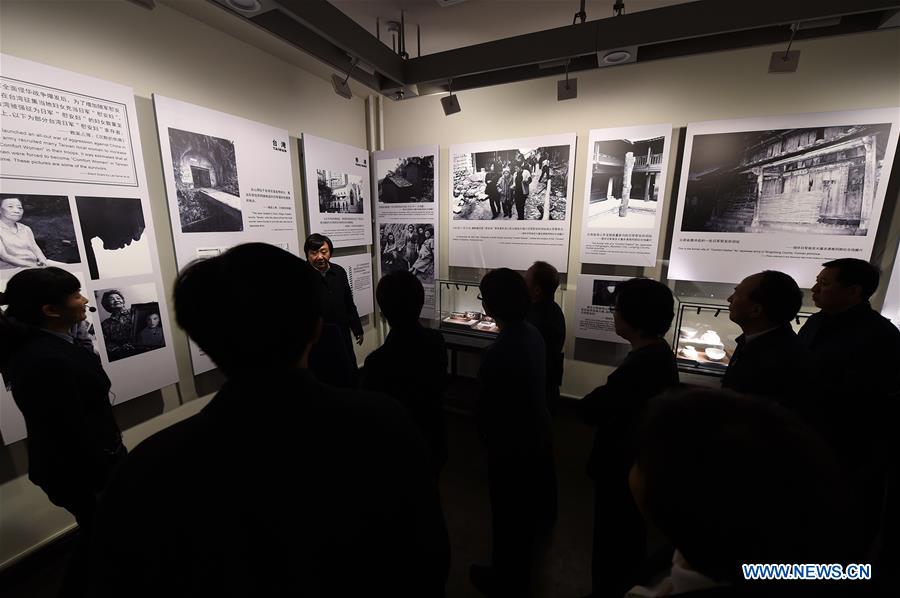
(841, 73)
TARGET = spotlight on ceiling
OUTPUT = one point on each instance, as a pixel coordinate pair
(450, 103)
(566, 89)
(244, 6)
(340, 83)
(616, 56)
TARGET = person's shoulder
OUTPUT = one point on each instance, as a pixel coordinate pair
(337, 268)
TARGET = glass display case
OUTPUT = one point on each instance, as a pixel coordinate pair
(459, 309)
(705, 338)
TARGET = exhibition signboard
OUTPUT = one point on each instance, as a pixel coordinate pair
(891, 308)
(406, 215)
(511, 202)
(338, 191)
(783, 193)
(595, 298)
(73, 194)
(228, 181)
(624, 194)
(359, 274)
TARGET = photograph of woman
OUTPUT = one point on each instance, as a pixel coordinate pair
(129, 331)
(19, 246)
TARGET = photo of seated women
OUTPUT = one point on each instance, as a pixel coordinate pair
(36, 231)
(133, 329)
(408, 247)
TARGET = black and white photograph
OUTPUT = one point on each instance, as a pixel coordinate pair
(130, 320)
(408, 247)
(339, 192)
(527, 183)
(406, 180)
(625, 182)
(114, 239)
(36, 230)
(817, 180)
(206, 181)
(603, 293)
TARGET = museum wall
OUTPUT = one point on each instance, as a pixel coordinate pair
(166, 52)
(849, 72)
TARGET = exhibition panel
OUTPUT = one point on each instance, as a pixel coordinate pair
(511, 202)
(595, 300)
(359, 275)
(624, 193)
(338, 191)
(784, 193)
(228, 181)
(73, 193)
(406, 215)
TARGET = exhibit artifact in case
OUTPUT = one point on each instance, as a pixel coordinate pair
(460, 310)
(705, 338)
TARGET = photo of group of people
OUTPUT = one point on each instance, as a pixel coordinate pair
(406, 180)
(206, 182)
(36, 230)
(130, 320)
(512, 184)
(339, 192)
(408, 247)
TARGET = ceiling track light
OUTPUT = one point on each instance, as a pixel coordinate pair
(567, 89)
(341, 86)
(450, 103)
(789, 60)
(581, 14)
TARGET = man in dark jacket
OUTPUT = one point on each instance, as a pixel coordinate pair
(769, 360)
(411, 365)
(544, 313)
(281, 485)
(643, 314)
(856, 352)
(333, 359)
(515, 426)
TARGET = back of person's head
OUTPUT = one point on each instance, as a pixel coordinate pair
(505, 295)
(400, 296)
(646, 305)
(26, 294)
(28, 291)
(856, 272)
(545, 277)
(276, 289)
(731, 479)
(315, 241)
(778, 295)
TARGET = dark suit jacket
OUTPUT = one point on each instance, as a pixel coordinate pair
(411, 366)
(774, 365)
(63, 393)
(549, 320)
(281, 486)
(616, 407)
(333, 359)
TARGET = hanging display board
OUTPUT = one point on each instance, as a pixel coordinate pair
(783, 193)
(338, 191)
(406, 215)
(595, 299)
(891, 309)
(624, 193)
(228, 181)
(359, 274)
(511, 202)
(73, 194)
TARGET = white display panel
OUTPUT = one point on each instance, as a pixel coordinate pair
(891, 307)
(359, 273)
(493, 234)
(624, 194)
(784, 193)
(407, 191)
(338, 191)
(595, 299)
(72, 171)
(228, 181)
